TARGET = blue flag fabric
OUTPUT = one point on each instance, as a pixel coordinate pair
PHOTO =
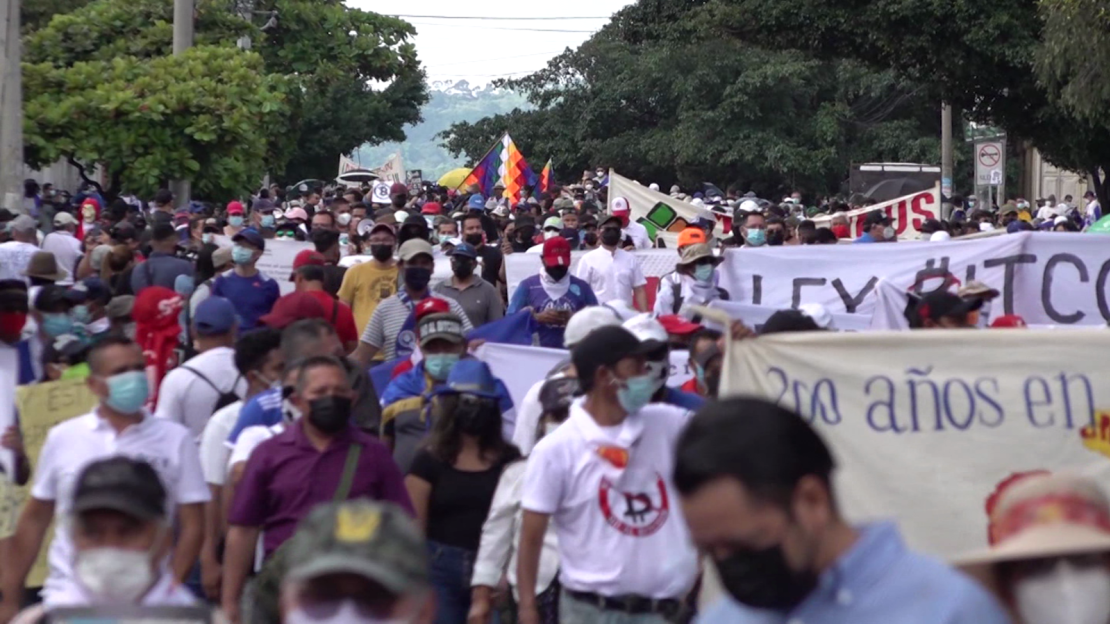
(517, 329)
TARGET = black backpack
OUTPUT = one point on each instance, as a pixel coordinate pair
(225, 398)
(676, 292)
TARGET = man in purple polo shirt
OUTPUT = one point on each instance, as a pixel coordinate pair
(304, 466)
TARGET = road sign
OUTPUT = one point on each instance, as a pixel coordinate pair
(996, 177)
(990, 158)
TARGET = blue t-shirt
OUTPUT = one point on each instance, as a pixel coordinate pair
(865, 238)
(252, 296)
(530, 294)
(263, 409)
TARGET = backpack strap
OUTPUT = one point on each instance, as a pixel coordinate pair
(206, 380)
(348, 478)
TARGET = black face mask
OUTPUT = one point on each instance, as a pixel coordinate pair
(381, 252)
(329, 414)
(610, 237)
(473, 239)
(462, 268)
(557, 272)
(417, 278)
(590, 239)
(475, 416)
(762, 579)
(775, 237)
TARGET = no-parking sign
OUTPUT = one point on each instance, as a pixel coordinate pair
(990, 156)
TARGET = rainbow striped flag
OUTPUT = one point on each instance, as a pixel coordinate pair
(546, 177)
(504, 163)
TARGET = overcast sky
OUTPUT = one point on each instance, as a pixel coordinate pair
(482, 50)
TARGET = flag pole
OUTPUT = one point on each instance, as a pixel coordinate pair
(488, 152)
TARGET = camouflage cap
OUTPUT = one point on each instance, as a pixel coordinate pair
(375, 540)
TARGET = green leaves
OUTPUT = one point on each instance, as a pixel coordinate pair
(101, 85)
(661, 97)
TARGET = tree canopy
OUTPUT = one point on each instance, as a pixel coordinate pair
(981, 57)
(659, 96)
(326, 79)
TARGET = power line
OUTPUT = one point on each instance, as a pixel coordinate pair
(507, 19)
(503, 58)
(554, 30)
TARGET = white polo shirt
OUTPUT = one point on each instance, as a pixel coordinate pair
(611, 276)
(77, 442)
(639, 235)
(185, 398)
(214, 451)
(621, 530)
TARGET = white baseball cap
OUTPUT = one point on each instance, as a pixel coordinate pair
(646, 328)
(585, 321)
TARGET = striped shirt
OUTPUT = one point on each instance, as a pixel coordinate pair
(389, 318)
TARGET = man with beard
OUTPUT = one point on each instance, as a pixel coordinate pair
(756, 490)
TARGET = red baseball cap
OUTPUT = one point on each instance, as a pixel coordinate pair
(307, 257)
(293, 307)
(432, 305)
(1008, 321)
(234, 208)
(677, 325)
(556, 252)
(620, 206)
(431, 208)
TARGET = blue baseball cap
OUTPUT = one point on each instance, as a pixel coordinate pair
(465, 250)
(470, 376)
(89, 289)
(251, 237)
(215, 316)
(476, 202)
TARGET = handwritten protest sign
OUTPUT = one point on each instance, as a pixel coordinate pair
(41, 407)
(925, 434)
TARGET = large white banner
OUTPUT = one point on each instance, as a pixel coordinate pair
(906, 214)
(926, 425)
(521, 367)
(393, 170)
(662, 215)
(755, 316)
(1048, 278)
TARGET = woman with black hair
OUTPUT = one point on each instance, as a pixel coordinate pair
(453, 479)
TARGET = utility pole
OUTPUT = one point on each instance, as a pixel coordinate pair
(946, 155)
(182, 40)
(11, 109)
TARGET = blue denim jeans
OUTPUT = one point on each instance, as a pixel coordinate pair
(451, 569)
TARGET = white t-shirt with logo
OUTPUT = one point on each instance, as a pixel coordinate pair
(621, 530)
(75, 443)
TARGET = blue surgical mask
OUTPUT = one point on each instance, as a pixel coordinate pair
(81, 313)
(268, 221)
(635, 392)
(439, 365)
(207, 237)
(699, 372)
(241, 255)
(235, 221)
(127, 392)
(756, 238)
(703, 272)
(56, 324)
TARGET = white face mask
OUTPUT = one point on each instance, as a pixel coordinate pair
(114, 575)
(345, 612)
(549, 234)
(344, 218)
(1067, 594)
(99, 326)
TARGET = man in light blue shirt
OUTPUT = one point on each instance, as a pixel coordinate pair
(756, 490)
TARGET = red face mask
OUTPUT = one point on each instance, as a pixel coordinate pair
(841, 231)
(11, 325)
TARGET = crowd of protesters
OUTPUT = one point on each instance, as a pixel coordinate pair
(241, 456)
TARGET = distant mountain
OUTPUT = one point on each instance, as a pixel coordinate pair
(451, 102)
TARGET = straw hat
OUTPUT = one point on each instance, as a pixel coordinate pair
(44, 265)
(1042, 516)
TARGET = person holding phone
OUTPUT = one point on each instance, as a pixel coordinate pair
(553, 294)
